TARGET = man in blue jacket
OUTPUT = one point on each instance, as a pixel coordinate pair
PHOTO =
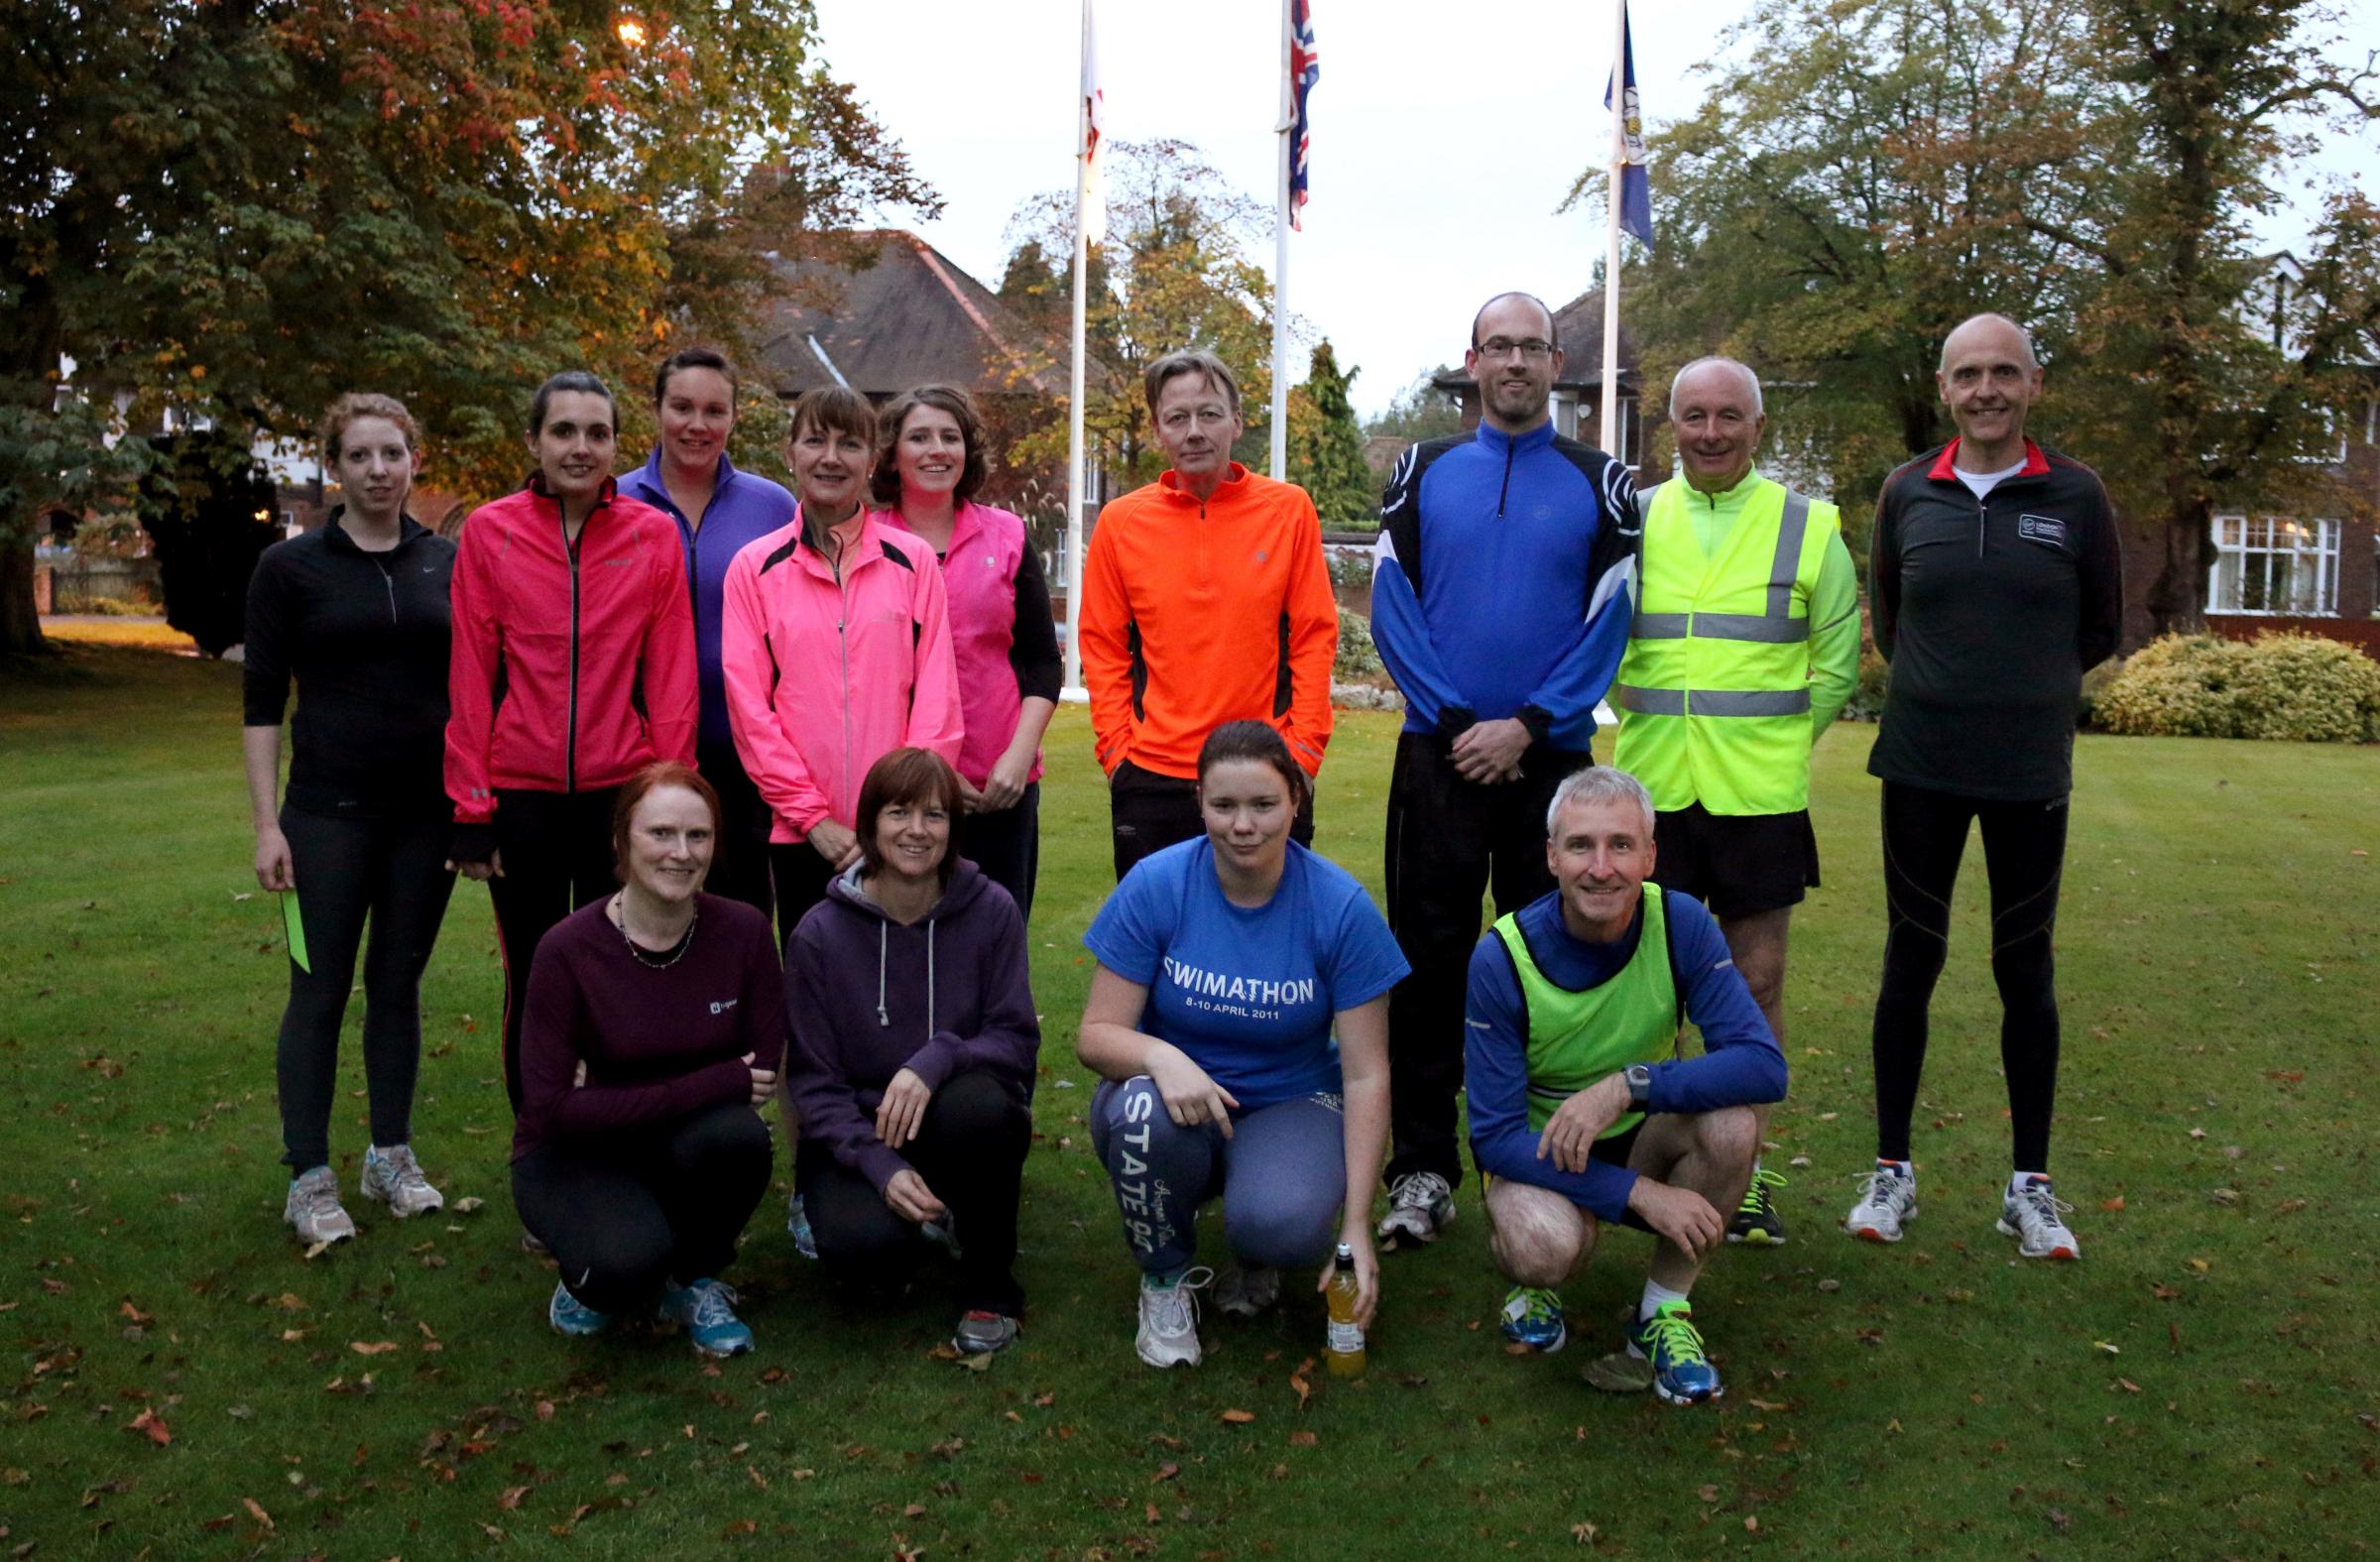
(1581, 1111)
(1500, 594)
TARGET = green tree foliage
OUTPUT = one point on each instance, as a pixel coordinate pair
(236, 211)
(1326, 446)
(1418, 412)
(1863, 177)
(1177, 271)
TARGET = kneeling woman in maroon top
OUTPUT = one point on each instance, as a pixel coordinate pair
(912, 1047)
(654, 1028)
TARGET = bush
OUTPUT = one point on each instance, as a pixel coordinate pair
(1867, 696)
(2290, 687)
(1359, 658)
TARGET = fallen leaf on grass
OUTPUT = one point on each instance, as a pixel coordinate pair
(1301, 1383)
(512, 1498)
(1770, 1405)
(742, 1527)
(1584, 1533)
(468, 1205)
(1165, 1472)
(256, 1511)
(1237, 1417)
(316, 1251)
(2111, 1349)
(1706, 1493)
(2200, 1264)
(2112, 1205)
(1302, 1439)
(2127, 1385)
(2165, 1293)
(149, 1422)
(371, 1347)
(135, 1314)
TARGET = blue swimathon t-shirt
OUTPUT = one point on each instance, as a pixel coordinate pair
(1248, 992)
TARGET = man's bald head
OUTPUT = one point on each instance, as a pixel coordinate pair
(1976, 330)
(1532, 299)
(1718, 372)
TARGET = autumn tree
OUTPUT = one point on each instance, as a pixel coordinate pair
(1177, 270)
(234, 210)
(1420, 411)
(1326, 446)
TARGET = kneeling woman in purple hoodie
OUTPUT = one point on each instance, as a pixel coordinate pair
(915, 1089)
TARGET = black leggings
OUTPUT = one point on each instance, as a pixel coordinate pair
(1007, 846)
(970, 1148)
(2024, 851)
(625, 1212)
(556, 854)
(394, 872)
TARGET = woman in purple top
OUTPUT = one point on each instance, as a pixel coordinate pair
(718, 510)
(652, 1034)
(1001, 628)
(912, 1044)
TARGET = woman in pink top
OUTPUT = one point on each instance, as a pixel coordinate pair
(835, 647)
(1006, 646)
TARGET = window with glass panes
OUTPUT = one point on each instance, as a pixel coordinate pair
(2273, 565)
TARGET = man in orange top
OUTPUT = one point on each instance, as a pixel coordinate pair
(1205, 600)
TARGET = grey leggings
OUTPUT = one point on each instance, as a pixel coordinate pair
(1282, 1175)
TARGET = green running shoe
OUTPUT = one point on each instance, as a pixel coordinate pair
(1756, 1217)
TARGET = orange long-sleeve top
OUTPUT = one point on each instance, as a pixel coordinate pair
(1195, 614)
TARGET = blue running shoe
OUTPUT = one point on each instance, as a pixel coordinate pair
(572, 1317)
(1533, 1317)
(797, 1227)
(705, 1310)
(1682, 1374)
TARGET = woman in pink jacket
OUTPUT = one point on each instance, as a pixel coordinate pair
(1006, 644)
(835, 646)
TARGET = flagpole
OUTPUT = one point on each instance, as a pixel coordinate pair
(1619, 153)
(1280, 263)
(1074, 399)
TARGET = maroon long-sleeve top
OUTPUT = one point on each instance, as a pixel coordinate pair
(660, 1044)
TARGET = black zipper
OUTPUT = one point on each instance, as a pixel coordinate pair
(1504, 492)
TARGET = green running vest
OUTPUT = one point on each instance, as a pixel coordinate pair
(1714, 689)
(1578, 1038)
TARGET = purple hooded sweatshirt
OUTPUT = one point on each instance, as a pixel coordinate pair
(867, 996)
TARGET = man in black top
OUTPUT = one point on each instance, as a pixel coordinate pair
(1996, 582)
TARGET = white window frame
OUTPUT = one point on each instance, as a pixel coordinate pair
(2333, 423)
(2245, 548)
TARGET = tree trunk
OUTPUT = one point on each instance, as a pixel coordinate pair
(2176, 600)
(20, 625)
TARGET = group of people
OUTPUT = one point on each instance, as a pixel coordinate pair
(653, 711)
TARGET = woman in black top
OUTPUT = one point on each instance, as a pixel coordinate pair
(357, 613)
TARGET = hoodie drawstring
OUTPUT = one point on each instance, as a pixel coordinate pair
(929, 979)
(883, 936)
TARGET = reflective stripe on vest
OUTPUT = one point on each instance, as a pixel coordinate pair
(1715, 704)
(1578, 1038)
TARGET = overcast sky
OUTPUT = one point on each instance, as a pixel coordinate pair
(1444, 139)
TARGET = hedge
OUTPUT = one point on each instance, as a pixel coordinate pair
(2291, 687)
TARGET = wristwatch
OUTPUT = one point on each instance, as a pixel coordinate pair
(1640, 1086)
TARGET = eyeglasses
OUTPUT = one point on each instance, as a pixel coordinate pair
(1498, 347)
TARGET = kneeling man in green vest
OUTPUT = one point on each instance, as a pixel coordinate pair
(1744, 646)
(1581, 1110)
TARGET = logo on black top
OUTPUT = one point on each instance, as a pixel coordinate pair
(2045, 530)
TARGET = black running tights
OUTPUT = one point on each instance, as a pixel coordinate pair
(2024, 851)
(391, 871)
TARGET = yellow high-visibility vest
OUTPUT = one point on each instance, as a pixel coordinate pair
(1714, 693)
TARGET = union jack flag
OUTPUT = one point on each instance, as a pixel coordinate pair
(1304, 71)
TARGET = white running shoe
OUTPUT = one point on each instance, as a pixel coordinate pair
(2031, 1213)
(1420, 1206)
(313, 1210)
(1887, 1198)
(396, 1180)
(1168, 1334)
(1247, 1291)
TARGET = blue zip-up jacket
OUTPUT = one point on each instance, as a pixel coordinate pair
(1504, 581)
(1740, 1064)
(743, 507)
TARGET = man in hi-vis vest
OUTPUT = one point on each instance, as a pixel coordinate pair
(1744, 646)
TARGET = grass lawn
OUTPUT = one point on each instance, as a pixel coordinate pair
(179, 1381)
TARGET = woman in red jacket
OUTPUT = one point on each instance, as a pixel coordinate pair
(574, 668)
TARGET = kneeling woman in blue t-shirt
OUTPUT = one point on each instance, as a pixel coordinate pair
(1224, 963)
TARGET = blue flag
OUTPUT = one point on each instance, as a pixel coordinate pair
(1635, 187)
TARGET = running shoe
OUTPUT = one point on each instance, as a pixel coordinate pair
(1168, 1334)
(797, 1227)
(572, 1317)
(395, 1179)
(705, 1309)
(1756, 1217)
(1533, 1317)
(312, 1208)
(2031, 1212)
(1247, 1290)
(1682, 1374)
(1887, 1198)
(983, 1333)
(1420, 1206)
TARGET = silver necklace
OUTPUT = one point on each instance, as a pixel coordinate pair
(649, 959)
